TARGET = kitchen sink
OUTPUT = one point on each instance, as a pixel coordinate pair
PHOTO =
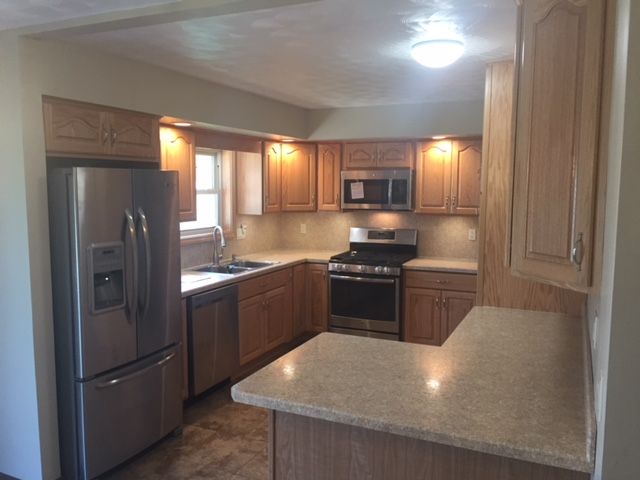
(235, 267)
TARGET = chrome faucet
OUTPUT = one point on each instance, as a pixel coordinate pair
(218, 247)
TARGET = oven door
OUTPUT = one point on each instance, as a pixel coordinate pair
(365, 302)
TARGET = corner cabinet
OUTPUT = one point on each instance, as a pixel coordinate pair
(94, 131)
(298, 177)
(289, 172)
(448, 177)
(560, 55)
(178, 152)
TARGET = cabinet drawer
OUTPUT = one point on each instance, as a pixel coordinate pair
(261, 284)
(463, 282)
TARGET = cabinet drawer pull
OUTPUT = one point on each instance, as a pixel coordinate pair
(442, 282)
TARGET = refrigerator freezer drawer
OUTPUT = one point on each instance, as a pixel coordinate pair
(128, 410)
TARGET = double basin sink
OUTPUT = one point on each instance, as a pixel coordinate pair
(234, 267)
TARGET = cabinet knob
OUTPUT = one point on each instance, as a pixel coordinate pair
(577, 252)
(446, 201)
(114, 136)
(454, 201)
(105, 136)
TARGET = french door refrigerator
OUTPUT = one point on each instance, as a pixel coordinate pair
(115, 250)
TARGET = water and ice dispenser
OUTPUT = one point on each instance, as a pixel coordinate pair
(107, 270)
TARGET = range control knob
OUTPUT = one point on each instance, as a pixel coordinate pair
(361, 268)
(378, 269)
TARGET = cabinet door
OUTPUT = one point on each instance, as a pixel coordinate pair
(178, 152)
(298, 177)
(299, 299)
(422, 316)
(433, 183)
(360, 155)
(395, 155)
(251, 315)
(318, 297)
(278, 317)
(466, 164)
(75, 129)
(558, 96)
(455, 306)
(134, 135)
(272, 177)
(329, 157)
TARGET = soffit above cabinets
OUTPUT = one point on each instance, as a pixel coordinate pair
(323, 53)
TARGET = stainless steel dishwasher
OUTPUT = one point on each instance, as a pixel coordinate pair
(213, 338)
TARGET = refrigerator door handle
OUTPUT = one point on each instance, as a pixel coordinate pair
(144, 224)
(131, 376)
(131, 227)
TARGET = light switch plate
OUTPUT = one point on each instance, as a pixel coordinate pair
(241, 231)
(472, 234)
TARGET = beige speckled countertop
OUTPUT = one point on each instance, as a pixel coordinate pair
(441, 264)
(508, 382)
(196, 282)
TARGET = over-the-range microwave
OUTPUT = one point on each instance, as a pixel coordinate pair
(377, 189)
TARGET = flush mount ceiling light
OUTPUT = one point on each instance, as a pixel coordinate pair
(437, 53)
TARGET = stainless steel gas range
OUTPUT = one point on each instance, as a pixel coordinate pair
(366, 282)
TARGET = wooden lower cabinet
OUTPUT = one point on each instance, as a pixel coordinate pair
(317, 297)
(299, 292)
(432, 314)
(422, 316)
(265, 319)
(277, 305)
(455, 306)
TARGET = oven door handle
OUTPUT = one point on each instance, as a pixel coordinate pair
(388, 281)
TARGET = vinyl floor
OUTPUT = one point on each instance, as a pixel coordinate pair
(221, 440)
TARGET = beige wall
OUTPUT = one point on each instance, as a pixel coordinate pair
(396, 121)
(614, 310)
(439, 236)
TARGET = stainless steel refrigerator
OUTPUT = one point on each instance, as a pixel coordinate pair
(115, 253)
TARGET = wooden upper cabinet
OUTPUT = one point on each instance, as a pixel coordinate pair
(298, 162)
(448, 177)
(360, 155)
(329, 161)
(557, 125)
(395, 155)
(178, 152)
(466, 165)
(87, 130)
(317, 297)
(433, 182)
(75, 128)
(422, 316)
(134, 135)
(272, 177)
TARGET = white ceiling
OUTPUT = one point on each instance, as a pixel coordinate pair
(329, 53)
(22, 13)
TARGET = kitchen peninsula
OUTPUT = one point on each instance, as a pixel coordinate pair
(506, 396)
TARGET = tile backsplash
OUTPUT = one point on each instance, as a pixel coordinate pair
(438, 236)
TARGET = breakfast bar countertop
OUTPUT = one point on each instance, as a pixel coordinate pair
(507, 382)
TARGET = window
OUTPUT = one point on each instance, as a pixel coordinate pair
(208, 198)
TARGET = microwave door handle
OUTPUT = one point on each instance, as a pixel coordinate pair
(390, 192)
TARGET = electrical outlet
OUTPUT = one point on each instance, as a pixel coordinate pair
(303, 228)
(472, 234)
(241, 232)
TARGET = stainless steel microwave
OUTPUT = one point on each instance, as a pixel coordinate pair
(377, 189)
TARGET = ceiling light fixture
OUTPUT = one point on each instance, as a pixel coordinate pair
(439, 137)
(181, 124)
(437, 53)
